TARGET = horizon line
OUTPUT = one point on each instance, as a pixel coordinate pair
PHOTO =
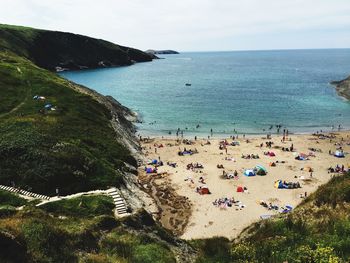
(257, 50)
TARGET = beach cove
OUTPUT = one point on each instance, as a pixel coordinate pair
(242, 91)
(217, 95)
(195, 215)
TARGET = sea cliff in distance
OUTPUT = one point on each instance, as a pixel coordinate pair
(161, 52)
(343, 87)
(60, 51)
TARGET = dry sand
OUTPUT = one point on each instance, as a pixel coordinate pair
(207, 220)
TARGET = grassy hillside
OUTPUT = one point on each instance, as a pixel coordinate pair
(34, 235)
(317, 231)
(73, 148)
(49, 49)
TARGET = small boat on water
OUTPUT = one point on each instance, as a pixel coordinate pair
(188, 84)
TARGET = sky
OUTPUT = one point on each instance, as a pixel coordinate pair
(192, 25)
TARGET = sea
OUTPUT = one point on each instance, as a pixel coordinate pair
(228, 93)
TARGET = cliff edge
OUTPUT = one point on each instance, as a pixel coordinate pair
(343, 87)
(59, 51)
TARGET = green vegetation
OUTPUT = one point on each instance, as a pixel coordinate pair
(9, 199)
(317, 231)
(49, 49)
(83, 206)
(17, 39)
(73, 148)
(91, 234)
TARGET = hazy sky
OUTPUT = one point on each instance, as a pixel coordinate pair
(190, 25)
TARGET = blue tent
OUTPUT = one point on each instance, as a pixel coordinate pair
(249, 173)
(339, 154)
(48, 106)
(149, 170)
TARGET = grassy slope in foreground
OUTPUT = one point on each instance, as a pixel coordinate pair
(82, 230)
(49, 49)
(73, 148)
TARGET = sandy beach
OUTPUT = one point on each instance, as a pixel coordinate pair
(205, 220)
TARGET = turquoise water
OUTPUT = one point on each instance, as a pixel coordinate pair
(245, 91)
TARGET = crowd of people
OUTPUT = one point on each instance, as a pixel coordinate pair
(193, 166)
(337, 169)
(250, 156)
(225, 202)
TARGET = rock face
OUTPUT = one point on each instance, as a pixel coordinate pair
(66, 51)
(161, 52)
(343, 87)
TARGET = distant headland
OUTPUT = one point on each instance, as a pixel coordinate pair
(59, 51)
(343, 87)
(161, 52)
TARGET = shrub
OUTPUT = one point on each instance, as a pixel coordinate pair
(45, 243)
(152, 253)
(10, 199)
(305, 254)
(83, 206)
(243, 252)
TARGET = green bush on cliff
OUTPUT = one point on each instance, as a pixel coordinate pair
(45, 242)
(83, 206)
(9, 199)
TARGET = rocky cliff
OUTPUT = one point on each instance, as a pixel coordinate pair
(343, 87)
(59, 50)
